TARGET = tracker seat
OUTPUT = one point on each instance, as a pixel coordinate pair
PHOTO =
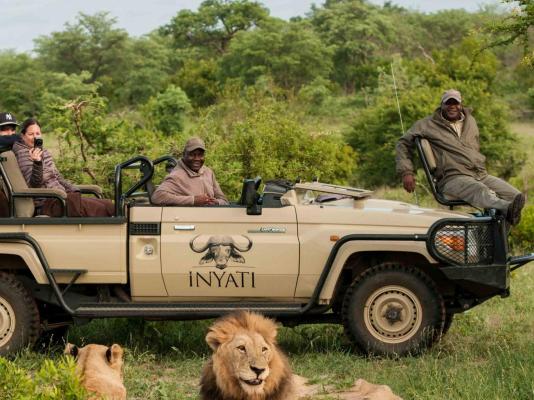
(428, 160)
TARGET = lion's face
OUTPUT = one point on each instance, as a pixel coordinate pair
(249, 356)
(246, 362)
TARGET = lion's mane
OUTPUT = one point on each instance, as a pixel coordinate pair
(222, 375)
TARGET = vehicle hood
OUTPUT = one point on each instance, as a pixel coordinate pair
(374, 213)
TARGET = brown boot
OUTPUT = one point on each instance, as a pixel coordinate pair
(514, 209)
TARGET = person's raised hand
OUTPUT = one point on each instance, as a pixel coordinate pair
(36, 154)
(408, 181)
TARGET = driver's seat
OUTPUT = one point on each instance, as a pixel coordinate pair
(171, 162)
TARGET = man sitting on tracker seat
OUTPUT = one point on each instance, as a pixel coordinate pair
(460, 171)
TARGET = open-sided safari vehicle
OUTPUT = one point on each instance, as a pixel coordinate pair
(392, 273)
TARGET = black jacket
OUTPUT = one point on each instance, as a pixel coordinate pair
(7, 141)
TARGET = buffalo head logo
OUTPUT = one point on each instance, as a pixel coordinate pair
(220, 249)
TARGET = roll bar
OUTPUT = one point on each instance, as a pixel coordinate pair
(139, 162)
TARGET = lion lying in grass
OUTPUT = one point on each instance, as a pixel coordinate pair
(246, 363)
(100, 369)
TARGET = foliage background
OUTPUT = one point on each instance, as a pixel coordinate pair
(313, 96)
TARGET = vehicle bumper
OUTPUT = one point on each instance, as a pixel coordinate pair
(480, 280)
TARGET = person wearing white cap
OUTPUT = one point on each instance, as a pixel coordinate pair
(190, 183)
(460, 167)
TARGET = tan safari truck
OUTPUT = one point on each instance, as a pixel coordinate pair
(392, 273)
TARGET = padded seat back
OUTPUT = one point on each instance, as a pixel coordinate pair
(429, 154)
(24, 207)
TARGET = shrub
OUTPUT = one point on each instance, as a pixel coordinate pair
(167, 110)
(252, 135)
(53, 381)
(522, 235)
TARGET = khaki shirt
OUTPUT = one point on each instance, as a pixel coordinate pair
(180, 187)
(458, 125)
(455, 154)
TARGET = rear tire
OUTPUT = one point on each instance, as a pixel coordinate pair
(393, 310)
(19, 316)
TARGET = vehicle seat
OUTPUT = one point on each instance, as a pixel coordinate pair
(426, 154)
(170, 163)
(17, 190)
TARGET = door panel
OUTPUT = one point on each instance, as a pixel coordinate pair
(98, 248)
(222, 252)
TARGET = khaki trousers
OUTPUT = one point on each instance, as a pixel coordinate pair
(490, 192)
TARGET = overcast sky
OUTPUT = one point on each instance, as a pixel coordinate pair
(24, 20)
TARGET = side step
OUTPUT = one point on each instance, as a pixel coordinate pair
(182, 310)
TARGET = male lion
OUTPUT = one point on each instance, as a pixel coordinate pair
(100, 369)
(246, 363)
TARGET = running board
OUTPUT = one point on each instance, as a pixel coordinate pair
(183, 310)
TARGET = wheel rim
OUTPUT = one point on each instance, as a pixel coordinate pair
(393, 314)
(7, 321)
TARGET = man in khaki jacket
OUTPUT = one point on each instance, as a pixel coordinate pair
(460, 172)
(190, 183)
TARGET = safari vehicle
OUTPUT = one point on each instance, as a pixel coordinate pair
(392, 273)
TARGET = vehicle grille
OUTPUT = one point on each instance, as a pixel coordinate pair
(145, 228)
(463, 243)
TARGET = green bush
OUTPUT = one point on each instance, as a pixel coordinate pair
(522, 236)
(315, 93)
(252, 134)
(167, 110)
(52, 381)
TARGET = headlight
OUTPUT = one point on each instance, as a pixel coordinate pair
(450, 241)
(462, 243)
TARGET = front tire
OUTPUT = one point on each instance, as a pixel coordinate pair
(19, 316)
(393, 310)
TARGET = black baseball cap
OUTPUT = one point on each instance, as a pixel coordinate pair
(8, 119)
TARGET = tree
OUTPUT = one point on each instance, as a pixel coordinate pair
(149, 71)
(516, 28)
(360, 34)
(28, 88)
(200, 80)
(22, 82)
(291, 52)
(91, 44)
(167, 110)
(215, 23)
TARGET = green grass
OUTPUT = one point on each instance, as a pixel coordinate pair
(487, 354)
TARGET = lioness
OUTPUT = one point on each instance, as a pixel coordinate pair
(100, 369)
(246, 363)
